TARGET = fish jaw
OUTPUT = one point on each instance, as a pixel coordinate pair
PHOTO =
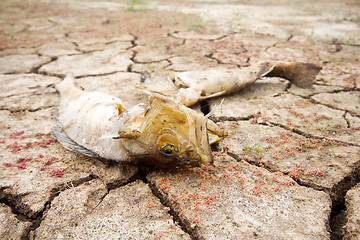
(202, 140)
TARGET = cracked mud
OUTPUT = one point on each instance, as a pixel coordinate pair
(290, 168)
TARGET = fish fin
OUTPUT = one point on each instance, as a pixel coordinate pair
(213, 95)
(162, 85)
(70, 144)
(56, 112)
(129, 114)
(180, 83)
(213, 138)
(215, 133)
(127, 135)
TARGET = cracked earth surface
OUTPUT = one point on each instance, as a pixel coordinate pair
(290, 168)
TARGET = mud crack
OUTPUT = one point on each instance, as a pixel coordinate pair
(36, 69)
(24, 213)
(174, 213)
(305, 134)
(337, 217)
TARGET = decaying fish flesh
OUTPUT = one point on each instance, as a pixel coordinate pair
(193, 86)
(163, 134)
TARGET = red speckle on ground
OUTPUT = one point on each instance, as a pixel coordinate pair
(56, 173)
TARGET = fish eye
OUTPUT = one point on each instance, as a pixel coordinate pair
(167, 142)
(168, 148)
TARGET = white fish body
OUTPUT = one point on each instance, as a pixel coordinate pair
(87, 116)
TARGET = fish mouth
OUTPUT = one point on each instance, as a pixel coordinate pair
(169, 151)
(189, 162)
(179, 159)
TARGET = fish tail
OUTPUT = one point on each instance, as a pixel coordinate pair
(68, 88)
(67, 84)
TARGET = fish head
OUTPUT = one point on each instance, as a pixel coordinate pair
(174, 135)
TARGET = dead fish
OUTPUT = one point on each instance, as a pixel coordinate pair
(193, 86)
(161, 135)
